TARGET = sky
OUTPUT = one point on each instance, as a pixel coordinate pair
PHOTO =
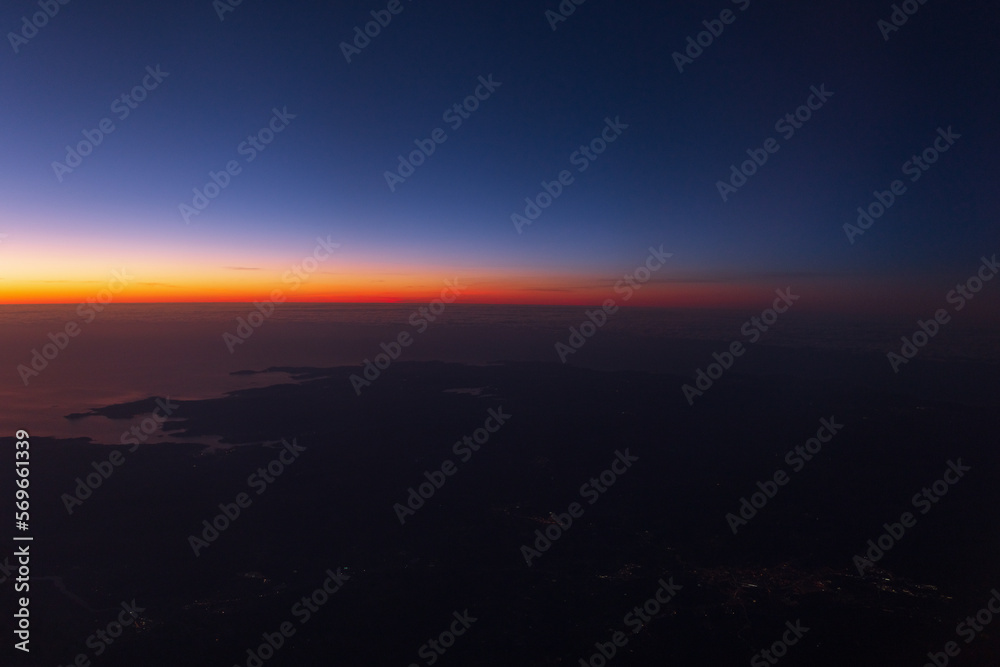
(346, 114)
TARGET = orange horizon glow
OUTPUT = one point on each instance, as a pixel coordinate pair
(158, 275)
(824, 296)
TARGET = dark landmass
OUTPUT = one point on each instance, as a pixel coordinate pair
(121, 410)
(332, 509)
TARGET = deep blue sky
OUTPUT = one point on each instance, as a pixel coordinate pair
(656, 184)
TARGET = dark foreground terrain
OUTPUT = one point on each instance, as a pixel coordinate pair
(661, 521)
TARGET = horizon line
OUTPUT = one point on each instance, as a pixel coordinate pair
(357, 303)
